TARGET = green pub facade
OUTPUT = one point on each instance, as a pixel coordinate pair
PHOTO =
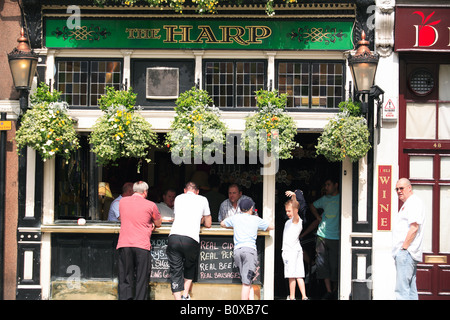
(300, 51)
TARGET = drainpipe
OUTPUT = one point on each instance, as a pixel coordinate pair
(2, 201)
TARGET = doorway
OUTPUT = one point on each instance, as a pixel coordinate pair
(424, 159)
(307, 172)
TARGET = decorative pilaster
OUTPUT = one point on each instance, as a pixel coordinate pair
(384, 27)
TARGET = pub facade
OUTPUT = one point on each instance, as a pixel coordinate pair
(302, 50)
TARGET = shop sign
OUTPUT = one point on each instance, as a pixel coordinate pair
(422, 29)
(5, 125)
(199, 34)
(384, 198)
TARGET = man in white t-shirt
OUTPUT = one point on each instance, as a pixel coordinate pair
(191, 210)
(407, 238)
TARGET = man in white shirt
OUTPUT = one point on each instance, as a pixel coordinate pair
(191, 210)
(407, 239)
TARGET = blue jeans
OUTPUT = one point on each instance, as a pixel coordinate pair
(405, 288)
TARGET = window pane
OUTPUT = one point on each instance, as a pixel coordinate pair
(444, 120)
(444, 221)
(71, 184)
(74, 77)
(103, 74)
(325, 86)
(291, 77)
(444, 82)
(252, 80)
(420, 121)
(425, 193)
(219, 82)
(420, 167)
(225, 79)
(445, 168)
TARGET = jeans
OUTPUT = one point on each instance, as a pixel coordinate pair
(405, 287)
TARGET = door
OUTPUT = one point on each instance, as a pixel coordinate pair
(429, 174)
(424, 125)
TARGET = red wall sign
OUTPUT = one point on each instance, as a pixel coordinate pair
(384, 198)
(422, 29)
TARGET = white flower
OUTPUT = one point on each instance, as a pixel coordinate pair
(49, 142)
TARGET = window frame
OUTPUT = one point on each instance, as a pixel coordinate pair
(310, 108)
(234, 61)
(89, 76)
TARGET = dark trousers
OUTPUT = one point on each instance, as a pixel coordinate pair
(182, 254)
(134, 262)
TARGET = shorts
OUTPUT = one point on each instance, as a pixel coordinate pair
(327, 259)
(182, 254)
(246, 259)
(293, 264)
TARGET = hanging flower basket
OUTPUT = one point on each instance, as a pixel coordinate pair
(271, 128)
(345, 136)
(197, 130)
(47, 126)
(121, 132)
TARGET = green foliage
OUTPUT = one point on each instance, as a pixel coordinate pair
(345, 136)
(44, 95)
(203, 6)
(353, 108)
(47, 126)
(188, 100)
(197, 126)
(271, 128)
(120, 131)
(114, 98)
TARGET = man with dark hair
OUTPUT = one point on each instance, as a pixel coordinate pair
(114, 214)
(183, 248)
(230, 206)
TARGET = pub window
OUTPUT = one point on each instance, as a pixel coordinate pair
(78, 183)
(71, 184)
(82, 82)
(311, 84)
(428, 101)
(234, 83)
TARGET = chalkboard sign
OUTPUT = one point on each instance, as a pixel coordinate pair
(216, 263)
(160, 263)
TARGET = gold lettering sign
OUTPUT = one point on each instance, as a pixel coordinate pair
(229, 34)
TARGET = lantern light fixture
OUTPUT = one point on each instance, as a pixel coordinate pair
(23, 62)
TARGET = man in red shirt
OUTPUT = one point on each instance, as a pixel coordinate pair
(138, 217)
